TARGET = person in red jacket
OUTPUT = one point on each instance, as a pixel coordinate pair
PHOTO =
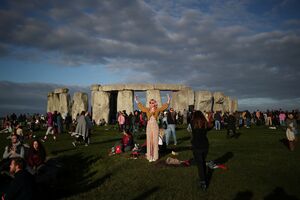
(127, 141)
(36, 156)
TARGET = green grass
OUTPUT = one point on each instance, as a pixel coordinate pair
(259, 166)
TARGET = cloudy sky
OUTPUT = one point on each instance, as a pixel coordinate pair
(249, 49)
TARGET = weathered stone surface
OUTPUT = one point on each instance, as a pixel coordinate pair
(56, 102)
(95, 87)
(169, 87)
(182, 97)
(50, 94)
(153, 94)
(80, 103)
(64, 101)
(219, 99)
(139, 86)
(203, 100)
(50, 103)
(112, 87)
(190, 96)
(142, 87)
(227, 104)
(61, 90)
(100, 106)
(234, 105)
(125, 101)
(180, 100)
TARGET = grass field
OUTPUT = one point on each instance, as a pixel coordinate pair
(259, 167)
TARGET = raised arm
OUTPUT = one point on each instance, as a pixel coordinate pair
(140, 105)
(165, 105)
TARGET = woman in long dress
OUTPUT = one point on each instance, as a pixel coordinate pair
(152, 128)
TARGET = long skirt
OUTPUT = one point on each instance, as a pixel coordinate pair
(152, 139)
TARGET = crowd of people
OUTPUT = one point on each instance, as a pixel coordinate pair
(159, 123)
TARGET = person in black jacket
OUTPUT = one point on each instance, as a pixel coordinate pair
(22, 186)
(231, 122)
(200, 144)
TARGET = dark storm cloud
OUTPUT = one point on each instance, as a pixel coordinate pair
(28, 97)
(205, 44)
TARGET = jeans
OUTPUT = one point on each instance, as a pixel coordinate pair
(200, 157)
(171, 130)
(217, 125)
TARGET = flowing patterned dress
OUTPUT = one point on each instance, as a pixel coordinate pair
(152, 130)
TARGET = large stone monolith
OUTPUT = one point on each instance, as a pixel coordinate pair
(125, 101)
(203, 101)
(234, 105)
(153, 94)
(219, 101)
(80, 103)
(50, 99)
(56, 102)
(181, 100)
(100, 106)
(64, 100)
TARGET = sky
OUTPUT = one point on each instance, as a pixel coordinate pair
(248, 49)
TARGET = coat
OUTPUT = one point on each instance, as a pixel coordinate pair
(82, 126)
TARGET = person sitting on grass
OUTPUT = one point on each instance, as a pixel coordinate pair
(36, 156)
(13, 150)
(127, 141)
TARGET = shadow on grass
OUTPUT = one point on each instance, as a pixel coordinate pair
(279, 193)
(75, 177)
(106, 141)
(285, 142)
(181, 140)
(237, 135)
(246, 195)
(224, 158)
(220, 160)
(55, 152)
(147, 193)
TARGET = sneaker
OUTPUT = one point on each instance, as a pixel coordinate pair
(86, 145)
(74, 144)
(174, 153)
(54, 137)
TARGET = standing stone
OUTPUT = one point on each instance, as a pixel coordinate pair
(100, 106)
(56, 102)
(203, 100)
(80, 103)
(234, 105)
(125, 101)
(227, 104)
(153, 94)
(50, 102)
(180, 100)
(219, 100)
(64, 100)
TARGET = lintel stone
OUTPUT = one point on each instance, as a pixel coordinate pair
(95, 87)
(61, 90)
